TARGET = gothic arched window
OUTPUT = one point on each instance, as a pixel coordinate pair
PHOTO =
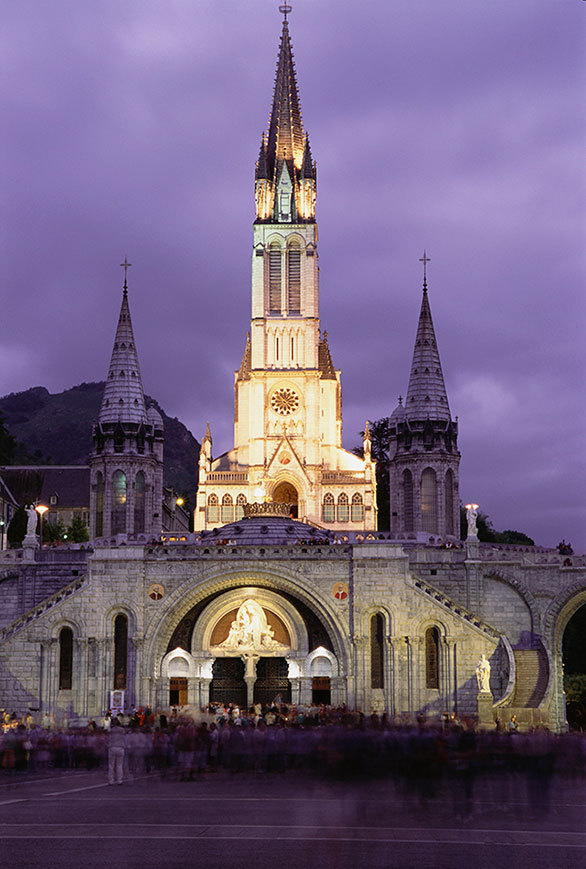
(432, 658)
(328, 512)
(118, 502)
(239, 510)
(343, 508)
(139, 503)
(377, 672)
(429, 501)
(275, 258)
(294, 279)
(99, 516)
(65, 659)
(357, 509)
(449, 501)
(213, 509)
(408, 500)
(120, 651)
(227, 509)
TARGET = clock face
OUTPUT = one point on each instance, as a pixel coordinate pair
(284, 401)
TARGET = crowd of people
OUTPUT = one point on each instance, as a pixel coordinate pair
(318, 741)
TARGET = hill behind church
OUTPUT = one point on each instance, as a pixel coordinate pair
(57, 429)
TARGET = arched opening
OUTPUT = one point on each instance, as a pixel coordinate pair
(432, 658)
(275, 259)
(118, 502)
(429, 501)
(272, 681)
(120, 651)
(449, 501)
(99, 518)
(227, 509)
(357, 514)
(408, 500)
(240, 504)
(213, 509)
(377, 673)
(228, 685)
(343, 508)
(139, 503)
(574, 661)
(286, 493)
(65, 659)
(294, 279)
(178, 672)
(328, 510)
(321, 687)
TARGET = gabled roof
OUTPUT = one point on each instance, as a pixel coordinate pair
(123, 399)
(426, 394)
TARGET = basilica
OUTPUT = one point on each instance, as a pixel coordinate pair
(286, 587)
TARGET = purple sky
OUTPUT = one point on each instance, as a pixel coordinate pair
(132, 128)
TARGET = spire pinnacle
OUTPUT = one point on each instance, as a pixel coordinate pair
(285, 8)
(425, 260)
(123, 398)
(125, 265)
(426, 394)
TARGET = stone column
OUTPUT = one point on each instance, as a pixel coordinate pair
(250, 662)
(305, 690)
(415, 645)
(138, 688)
(390, 698)
(204, 690)
(105, 681)
(361, 688)
(80, 677)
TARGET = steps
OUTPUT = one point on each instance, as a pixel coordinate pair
(532, 674)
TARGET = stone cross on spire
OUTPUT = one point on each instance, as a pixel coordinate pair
(425, 260)
(125, 265)
(285, 8)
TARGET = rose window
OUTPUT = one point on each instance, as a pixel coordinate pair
(285, 401)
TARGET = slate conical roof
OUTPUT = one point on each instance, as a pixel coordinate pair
(123, 399)
(285, 139)
(426, 394)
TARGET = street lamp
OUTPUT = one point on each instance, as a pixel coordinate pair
(41, 510)
(179, 502)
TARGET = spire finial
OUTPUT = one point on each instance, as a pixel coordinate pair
(425, 260)
(285, 8)
(125, 265)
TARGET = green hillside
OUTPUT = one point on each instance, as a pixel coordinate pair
(56, 429)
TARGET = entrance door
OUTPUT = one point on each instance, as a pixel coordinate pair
(228, 685)
(271, 680)
(321, 691)
(177, 692)
(285, 493)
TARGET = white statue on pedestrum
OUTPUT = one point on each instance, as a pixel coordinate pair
(471, 517)
(31, 520)
(483, 675)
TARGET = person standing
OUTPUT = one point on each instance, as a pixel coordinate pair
(116, 751)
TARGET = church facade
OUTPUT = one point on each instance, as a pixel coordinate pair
(286, 588)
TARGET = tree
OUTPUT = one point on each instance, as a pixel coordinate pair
(78, 532)
(380, 437)
(17, 528)
(7, 444)
(54, 532)
(487, 534)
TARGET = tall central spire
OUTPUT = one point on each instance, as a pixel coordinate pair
(285, 140)
(426, 394)
(285, 174)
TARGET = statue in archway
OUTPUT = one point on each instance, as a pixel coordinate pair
(251, 631)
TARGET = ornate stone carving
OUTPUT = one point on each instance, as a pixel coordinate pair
(250, 631)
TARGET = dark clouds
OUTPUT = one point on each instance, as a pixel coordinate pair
(132, 129)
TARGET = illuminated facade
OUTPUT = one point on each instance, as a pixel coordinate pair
(288, 403)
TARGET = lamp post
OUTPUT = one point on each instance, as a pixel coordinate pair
(177, 502)
(41, 510)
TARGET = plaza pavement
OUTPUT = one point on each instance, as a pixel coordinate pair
(74, 819)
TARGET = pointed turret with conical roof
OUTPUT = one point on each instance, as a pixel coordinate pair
(123, 399)
(424, 458)
(126, 463)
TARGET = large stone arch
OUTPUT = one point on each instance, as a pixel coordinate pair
(217, 582)
(555, 621)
